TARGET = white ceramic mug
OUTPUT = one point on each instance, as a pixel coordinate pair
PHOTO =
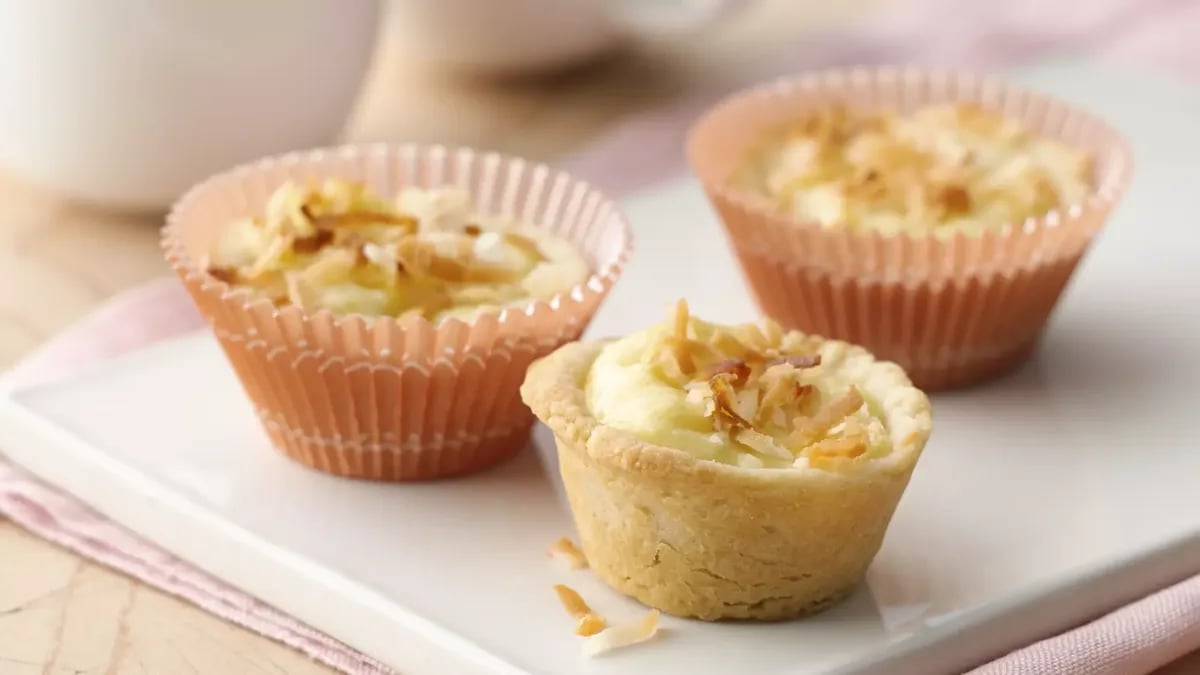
(128, 102)
(510, 36)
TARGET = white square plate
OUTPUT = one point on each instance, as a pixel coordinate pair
(1043, 499)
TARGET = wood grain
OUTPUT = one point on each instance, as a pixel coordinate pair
(61, 615)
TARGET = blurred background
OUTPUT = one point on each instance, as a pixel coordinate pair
(111, 110)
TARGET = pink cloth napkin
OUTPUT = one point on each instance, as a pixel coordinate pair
(1135, 639)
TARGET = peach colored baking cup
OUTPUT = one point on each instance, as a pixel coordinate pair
(951, 311)
(387, 399)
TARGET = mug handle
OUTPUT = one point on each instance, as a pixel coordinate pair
(665, 18)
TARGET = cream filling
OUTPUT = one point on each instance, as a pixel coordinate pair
(1007, 172)
(624, 391)
(365, 278)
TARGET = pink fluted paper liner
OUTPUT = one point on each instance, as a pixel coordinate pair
(383, 398)
(952, 311)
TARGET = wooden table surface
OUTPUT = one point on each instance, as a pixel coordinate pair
(60, 614)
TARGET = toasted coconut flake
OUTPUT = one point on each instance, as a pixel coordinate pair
(680, 327)
(955, 199)
(424, 258)
(566, 553)
(524, 244)
(622, 636)
(413, 255)
(760, 443)
(446, 269)
(844, 405)
(735, 367)
(378, 255)
(726, 343)
(681, 350)
(227, 274)
(749, 461)
(590, 625)
(772, 331)
(827, 462)
(747, 403)
(850, 444)
(748, 380)
(927, 169)
(777, 394)
(269, 255)
(846, 446)
(778, 417)
(312, 244)
(808, 430)
(725, 413)
(804, 397)
(421, 258)
(361, 257)
(588, 622)
(798, 361)
(306, 226)
(697, 392)
(754, 337)
(678, 341)
(362, 218)
(668, 367)
(490, 274)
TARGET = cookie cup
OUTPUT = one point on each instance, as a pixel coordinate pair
(707, 540)
(377, 397)
(952, 310)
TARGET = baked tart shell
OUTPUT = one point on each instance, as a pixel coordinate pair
(713, 541)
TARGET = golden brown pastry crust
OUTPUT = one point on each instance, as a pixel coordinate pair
(714, 541)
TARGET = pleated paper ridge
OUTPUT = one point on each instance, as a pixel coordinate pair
(387, 399)
(951, 311)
